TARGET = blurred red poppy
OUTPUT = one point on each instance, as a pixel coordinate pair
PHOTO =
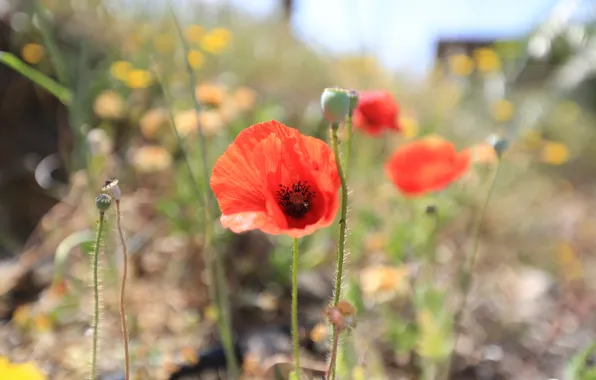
(277, 180)
(375, 112)
(425, 165)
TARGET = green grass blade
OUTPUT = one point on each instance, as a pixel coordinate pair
(39, 78)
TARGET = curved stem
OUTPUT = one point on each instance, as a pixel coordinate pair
(342, 231)
(122, 289)
(95, 274)
(348, 151)
(468, 271)
(295, 336)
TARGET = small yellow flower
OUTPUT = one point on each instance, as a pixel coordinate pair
(487, 60)
(42, 323)
(569, 262)
(109, 105)
(319, 333)
(152, 123)
(358, 373)
(502, 111)
(120, 70)
(210, 94)
(211, 121)
(409, 127)
(194, 33)
(211, 313)
(33, 53)
(189, 355)
(139, 79)
(186, 122)
(195, 59)
(164, 43)
(461, 65)
(23, 371)
(150, 159)
(381, 283)
(245, 98)
(484, 153)
(216, 40)
(554, 153)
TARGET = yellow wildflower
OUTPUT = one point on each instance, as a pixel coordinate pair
(484, 153)
(487, 60)
(210, 94)
(194, 33)
(245, 98)
(33, 53)
(216, 40)
(358, 373)
(502, 111)
(554, 153)
(151, 158)
(461, 65)
(24, 371)
(195, 59)
(409, 127)
(139, 79)
(120, 70)
(569, 262)
(381, 283)
(152, 122)
(186, 122)
(319, 333)
(109, 105)
(211, 122)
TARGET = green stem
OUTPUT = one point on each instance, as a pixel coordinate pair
(348, 145)
(39, 78)
(50, 43)
(342, 228)
(95, 272)
(295, 336)
(215, 265)
(468, 271)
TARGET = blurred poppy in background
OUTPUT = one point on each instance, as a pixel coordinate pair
(426, 165)
(375, 112)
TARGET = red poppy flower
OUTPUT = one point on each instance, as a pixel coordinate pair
(425, 165)
(277, 180)
(376, 111)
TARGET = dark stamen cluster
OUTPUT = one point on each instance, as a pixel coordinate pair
(295, 200)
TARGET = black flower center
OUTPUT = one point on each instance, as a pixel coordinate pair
(295, 200)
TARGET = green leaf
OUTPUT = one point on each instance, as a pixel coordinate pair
(577, 365)
(39, 78)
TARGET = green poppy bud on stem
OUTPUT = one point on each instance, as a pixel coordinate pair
(335, 103)
(499, 144)
(103, 202)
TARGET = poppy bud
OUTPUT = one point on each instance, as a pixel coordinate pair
(103, 202)
(499, 144)
(353, 100)
(336, 104)
(111, 187)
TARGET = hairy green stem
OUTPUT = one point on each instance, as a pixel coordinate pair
(95, 273)
(215, 265)
(295, 336)
(468, 270)
(348, 151)
(342, 229)
(122, 289)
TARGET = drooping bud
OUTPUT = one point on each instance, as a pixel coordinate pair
(499, 144)
(111, 187)
(103, 202)
(336, 104)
